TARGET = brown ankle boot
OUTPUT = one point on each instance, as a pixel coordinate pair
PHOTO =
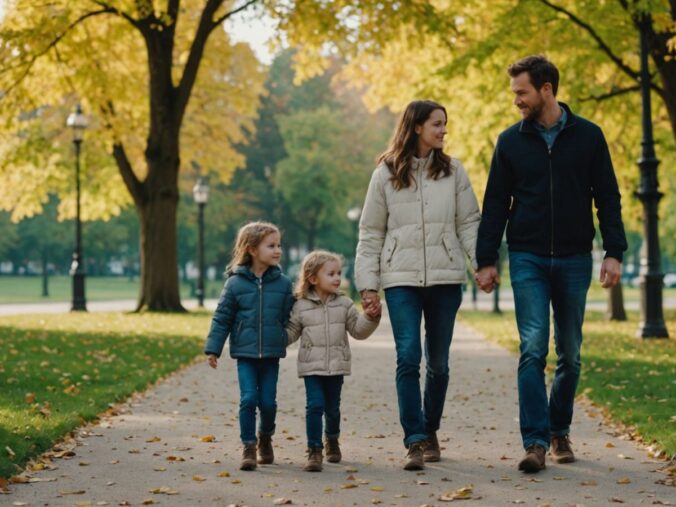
(333, 454)
(534, 460)
(248, 457)
(432, 451)
(314, 460)
(266, 455)
(560, 450)
(414, 457)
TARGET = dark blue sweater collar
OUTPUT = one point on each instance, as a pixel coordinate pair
(529, 125)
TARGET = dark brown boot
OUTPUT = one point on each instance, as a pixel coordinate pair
(333, 454)
(560, 450)
(414, 457)
(266, 455)
(432, 451)
(534, 460)
(314, 460)
(248, 457)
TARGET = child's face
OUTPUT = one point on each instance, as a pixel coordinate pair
(269, 251)
(328, 278)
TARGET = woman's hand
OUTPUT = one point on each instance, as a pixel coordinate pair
(368, 297)
(212, 361)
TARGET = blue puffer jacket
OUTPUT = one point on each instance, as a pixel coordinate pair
(254, 314)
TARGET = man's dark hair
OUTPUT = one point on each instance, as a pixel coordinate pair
(540, 71)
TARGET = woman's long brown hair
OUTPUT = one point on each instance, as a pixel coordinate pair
(399, 155)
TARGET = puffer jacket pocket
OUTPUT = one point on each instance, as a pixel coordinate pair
(453, 251)
(389, 249)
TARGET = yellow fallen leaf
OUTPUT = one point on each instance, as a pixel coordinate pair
(328, 489)
(38, 466)
(375, 501)
(208, 438)
(377, 488)
(236, 481)
(175, 458)
(610, 445)
(624, 480)
(160, 469)
(282, 501)
(198, 478)
(348, 486)
(30, 398)
(224, 474)
(147, 501)
(153, 440)
(463, 493)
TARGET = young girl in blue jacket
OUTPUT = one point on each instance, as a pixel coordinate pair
(253, 309)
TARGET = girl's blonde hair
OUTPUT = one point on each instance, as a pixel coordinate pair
(249, 236)
(311, 265)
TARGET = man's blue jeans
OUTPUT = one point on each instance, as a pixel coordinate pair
(322, 395)
(536, 281)
(257, 389)
(406, 306)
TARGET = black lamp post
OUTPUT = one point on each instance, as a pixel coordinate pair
(200, 193)
(353, 215)
(77, 121)
(652, 320)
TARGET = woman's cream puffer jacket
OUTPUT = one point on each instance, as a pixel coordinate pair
(323, 328)
(417, 236)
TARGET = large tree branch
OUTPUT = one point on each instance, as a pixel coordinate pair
(233, 12)
(118, 12)
(601, 43)
(613, 93)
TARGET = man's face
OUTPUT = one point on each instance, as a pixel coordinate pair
(529, 100)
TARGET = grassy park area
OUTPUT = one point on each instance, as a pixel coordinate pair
(58, 371)
(632, 379)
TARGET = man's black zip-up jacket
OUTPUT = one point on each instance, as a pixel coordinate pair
(546, 194)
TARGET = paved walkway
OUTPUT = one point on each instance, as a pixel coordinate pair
(153, 450)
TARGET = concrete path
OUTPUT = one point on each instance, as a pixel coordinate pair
(157, 448)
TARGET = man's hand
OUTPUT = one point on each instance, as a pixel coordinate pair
(611, 270)
(212, 361)
(487, 278)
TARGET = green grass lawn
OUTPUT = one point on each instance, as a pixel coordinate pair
(634, 380)
(28, 289)
(57, 371)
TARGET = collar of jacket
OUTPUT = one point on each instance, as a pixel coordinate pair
(528, 126)
(313, 296)
(270, 274)
(421, 163)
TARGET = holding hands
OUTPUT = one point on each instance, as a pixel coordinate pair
(487, 278)
(370, 301)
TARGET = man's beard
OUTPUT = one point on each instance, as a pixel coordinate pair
(535, 111)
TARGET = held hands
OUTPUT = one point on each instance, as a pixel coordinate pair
(487, 278)
(611, 270)
(212, 361)
(370, 301)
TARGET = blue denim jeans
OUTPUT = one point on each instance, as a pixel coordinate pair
(538, 281)
(322, 394)
(406, 307)
(257, 389)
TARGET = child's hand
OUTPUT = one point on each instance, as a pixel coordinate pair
(212, 361)
(373, 310)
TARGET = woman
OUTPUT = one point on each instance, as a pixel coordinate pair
(419, 216)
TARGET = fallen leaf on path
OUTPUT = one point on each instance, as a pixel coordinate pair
(153, 440)
(41, 479)
(19, 503)
(624, 480)
(84, 503)
(422, 483)
(208, 438)
(163, 490)
(559, 478)
(175, 458)
(198, 478)
(351, 470)
(282, 501)
(589, 483)
(147, 501)
(224, 474)
(375, 501)
(464, 493)
(616, 500)
(610, 445)
(377, 488)
(73, 492)
(348, 486)
(160, 469)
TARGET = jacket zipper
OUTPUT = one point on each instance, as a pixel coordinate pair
(551, 198)
(422, 221)
(328, 341)
(260, 318)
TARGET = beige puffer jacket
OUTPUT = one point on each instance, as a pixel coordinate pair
(323, 328)
(417, 236)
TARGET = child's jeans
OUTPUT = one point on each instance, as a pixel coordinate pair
(257, 388)
(323, 399)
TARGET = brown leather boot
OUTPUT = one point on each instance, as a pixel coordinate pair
(414, 457)
(333, 454)
(560, 450)
(534, 460)
(266, 455)
(432, 451)
(248, 457)
(314, 460)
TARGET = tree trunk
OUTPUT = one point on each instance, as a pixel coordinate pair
(616, 304)
(45, 274)
(159, 266)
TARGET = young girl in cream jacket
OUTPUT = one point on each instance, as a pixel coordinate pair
(322, 318)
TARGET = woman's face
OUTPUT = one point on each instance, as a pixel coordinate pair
(431, 133)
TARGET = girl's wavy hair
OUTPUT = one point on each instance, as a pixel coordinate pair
(399, 155)
(311, 265)
(249, 236)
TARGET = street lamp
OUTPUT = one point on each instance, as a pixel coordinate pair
(78, 123)
(200, 193)
(651, 277)
(353, 215)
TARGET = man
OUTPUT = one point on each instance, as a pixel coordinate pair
(545, 172)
